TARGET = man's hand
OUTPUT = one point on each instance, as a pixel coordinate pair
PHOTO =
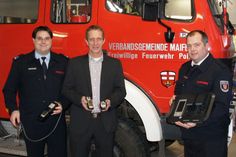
(172, 99)
(58, 109)
(108, 103)
(84, 103)
(186, 125)
(15, 118)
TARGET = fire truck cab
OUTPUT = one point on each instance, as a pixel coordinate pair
(148, 36)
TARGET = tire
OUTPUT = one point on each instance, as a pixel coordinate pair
(169, 142)
(129, 141)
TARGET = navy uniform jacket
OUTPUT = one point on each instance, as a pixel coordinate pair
(35, 94)
(78, 83)
(210, 76)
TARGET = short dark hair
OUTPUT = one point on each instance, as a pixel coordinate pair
(94, 27)
(41, 28)
(203, 34)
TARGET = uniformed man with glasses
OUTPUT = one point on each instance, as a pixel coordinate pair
(33, 97)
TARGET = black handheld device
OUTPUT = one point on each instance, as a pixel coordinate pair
(191, 108)
(47, 111)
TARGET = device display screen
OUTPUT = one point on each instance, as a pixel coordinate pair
(180, 105)
(180, 108)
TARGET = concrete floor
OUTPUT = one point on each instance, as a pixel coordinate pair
(176, 150)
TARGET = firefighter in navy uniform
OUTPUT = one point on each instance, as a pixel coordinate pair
(36, 88)
(203, 74)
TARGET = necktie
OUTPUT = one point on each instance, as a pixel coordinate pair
(195, 66)
(44, 68)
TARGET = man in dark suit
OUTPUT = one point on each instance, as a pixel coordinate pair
(36, 78)
(204, 74)
(100, 77)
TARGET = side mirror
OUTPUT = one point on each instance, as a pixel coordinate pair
(169, 36)
(153, 11)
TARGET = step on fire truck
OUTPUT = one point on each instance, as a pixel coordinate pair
(148, 36)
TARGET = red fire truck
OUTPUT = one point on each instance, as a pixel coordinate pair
(148, 36)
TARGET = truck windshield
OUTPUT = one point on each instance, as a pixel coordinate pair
(18, 11)
(174, 9)
(179, 9)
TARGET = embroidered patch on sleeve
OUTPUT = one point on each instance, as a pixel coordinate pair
(224, 85)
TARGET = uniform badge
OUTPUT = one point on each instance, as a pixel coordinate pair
(167, 78)
(224, 86)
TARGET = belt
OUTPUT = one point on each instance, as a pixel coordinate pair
(95, 115)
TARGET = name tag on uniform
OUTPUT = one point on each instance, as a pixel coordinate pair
(202, 82)
(59, 72)
(32, 68)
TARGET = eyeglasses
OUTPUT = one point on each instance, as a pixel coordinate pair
(93, 40)
(43, 39)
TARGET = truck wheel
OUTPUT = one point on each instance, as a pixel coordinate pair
(169, 142)
(129, 141)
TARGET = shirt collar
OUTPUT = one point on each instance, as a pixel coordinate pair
(99, 59)
(199, 63)
(38, 56)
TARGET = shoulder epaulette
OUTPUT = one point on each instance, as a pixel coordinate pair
(223, 64)
(19, 56)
